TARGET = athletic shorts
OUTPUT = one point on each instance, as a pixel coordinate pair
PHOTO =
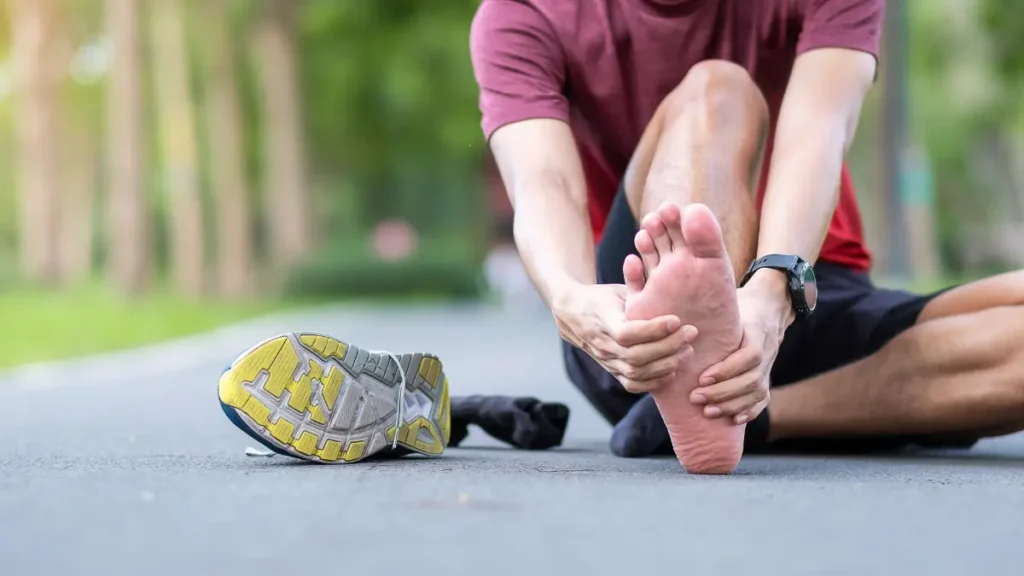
(852, 319)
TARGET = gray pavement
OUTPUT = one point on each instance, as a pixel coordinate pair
(125, 465)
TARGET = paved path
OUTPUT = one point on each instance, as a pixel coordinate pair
(125, 465)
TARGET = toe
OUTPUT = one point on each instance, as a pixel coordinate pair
(672, 217)
(633, 272)
(645, 246)
(702, 232)
(656, 228)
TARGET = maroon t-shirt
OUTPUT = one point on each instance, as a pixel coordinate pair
(604, 66)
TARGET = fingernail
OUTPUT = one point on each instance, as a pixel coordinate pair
(690, 333)
(712, 411)
(673, 324)
(741, 419)
(707, 381)
(698, 399)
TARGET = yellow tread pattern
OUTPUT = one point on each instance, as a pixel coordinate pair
(275, 364)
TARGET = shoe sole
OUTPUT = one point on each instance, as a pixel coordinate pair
(317, 398)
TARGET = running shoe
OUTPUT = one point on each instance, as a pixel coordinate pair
(313, 397)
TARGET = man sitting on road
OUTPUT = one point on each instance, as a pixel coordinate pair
(721, 126)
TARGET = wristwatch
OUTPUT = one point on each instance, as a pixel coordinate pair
(803, 285)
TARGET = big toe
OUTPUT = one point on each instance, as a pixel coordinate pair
(702, 232)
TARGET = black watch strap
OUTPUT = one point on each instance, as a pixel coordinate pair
(783, 262)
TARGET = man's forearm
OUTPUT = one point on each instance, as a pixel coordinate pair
(802, 192)
(552, 232)
(799, 202)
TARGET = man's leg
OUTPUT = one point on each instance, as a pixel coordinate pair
(692, 181)
(957, 371)
(705, 145)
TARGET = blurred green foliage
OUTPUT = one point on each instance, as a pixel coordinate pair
(393, 126)
(967, 100)
(390, 109)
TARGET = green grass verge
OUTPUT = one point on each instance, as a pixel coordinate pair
(41, 325)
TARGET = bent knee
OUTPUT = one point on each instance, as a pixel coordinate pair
(720, 91)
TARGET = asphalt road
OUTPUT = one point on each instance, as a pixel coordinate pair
(125, 465)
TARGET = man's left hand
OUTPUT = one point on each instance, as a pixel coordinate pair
(737, 387)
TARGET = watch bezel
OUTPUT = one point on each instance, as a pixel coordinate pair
(798, 287)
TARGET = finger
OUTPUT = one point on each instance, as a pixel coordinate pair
(642, 386)
(645, 377)
(645, 246)
(633, 332)
(668, 347)
(742, 385)
(656, 228)
(739, 362)
(633, 272)
(749, 415)
(651, 370)
(653, 376)
(736, 406)
(672, 216)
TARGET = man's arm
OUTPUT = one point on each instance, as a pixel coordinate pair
(816, 126)
(520, 67)
(542, 173)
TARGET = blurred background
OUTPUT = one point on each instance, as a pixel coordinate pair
(168, 166)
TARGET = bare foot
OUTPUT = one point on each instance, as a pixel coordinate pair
(690, 275)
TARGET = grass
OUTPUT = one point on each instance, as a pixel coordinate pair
(40, 325)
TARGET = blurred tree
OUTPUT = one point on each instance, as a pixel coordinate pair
(79, 205)
(176, 124)
(87, 60)
(37, 77)
(288, 202)
(1003, 20)
(226, 150)
(130, 242)
(392, 103)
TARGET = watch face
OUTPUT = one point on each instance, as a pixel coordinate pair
(810, 286)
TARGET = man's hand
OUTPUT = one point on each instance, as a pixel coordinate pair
(737, 387)
(641, 354)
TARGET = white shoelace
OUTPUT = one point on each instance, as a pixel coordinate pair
(399, 408)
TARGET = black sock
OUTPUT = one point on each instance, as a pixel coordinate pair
(525, 423)
(642, 432)
(756, 437)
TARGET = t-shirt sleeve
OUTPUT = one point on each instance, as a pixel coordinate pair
(853, 24)
(518, 63)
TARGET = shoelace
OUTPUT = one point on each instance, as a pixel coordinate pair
(399, 408)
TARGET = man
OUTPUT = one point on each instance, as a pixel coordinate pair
(721, 127)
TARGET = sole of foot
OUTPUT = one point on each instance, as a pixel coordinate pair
(314, 397)
(690, 275)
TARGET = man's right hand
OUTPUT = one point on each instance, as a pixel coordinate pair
(642, 354)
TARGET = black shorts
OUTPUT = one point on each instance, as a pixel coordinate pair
(852, 319)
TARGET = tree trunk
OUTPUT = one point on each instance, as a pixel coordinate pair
(227, 159)
(130, 248)
(78, 216)
(176, 115)
(284, 157)
(38, 76)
